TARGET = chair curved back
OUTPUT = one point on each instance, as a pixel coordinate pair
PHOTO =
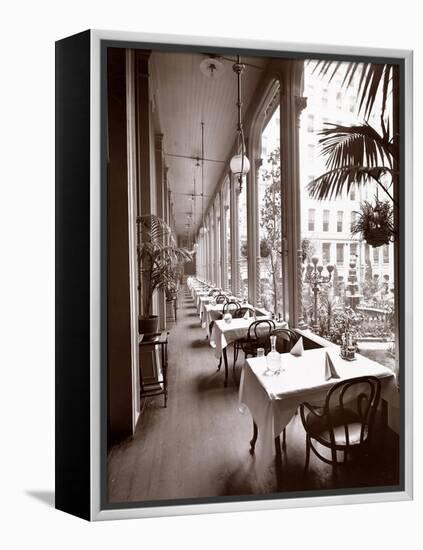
(359, 396)
(220, 299)
(347, 419)
(231, 307)
(213, 292)
(261, 330)
(239, 313)
(285, 339)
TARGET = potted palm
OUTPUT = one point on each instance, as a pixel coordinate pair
(158, 257)
(375, 223)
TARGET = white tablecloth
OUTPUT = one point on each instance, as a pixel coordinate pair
(273, 400)
(225, 333)
(213, 312)
(202, 300)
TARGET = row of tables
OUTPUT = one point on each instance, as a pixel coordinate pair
(223, 333)
(273, 400)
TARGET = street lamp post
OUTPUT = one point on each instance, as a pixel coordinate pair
(316, 279)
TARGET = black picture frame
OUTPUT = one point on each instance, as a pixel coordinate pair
(81, 390)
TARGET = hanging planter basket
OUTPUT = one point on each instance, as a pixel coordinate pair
(375, 223)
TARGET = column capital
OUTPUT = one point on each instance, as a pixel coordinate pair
(300, 104)
(158, 142)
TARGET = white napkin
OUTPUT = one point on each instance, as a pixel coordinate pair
(330, 371)
(298, 349)
(246, 315)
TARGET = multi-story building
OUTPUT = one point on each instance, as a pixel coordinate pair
(327, 224)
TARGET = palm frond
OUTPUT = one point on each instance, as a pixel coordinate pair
(355, 145)
(374, 77)
(331, 184)
(154, 228)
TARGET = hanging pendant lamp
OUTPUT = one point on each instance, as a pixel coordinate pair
(239, 164)
(203, 228)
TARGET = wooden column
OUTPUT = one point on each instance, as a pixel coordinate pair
(399, 243)
(166, 195)
(223, 238)
(217, 252)
(142, 130)
(119, 368)
(161, 212)
(291, 105)
(142, 126)
(253, 231)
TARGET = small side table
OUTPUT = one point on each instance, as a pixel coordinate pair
(155, 339)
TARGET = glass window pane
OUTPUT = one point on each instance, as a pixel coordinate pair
(243, 250)
(227, 196)
(270, 221)
(363, 276)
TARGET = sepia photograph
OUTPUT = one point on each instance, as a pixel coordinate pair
(254, 273)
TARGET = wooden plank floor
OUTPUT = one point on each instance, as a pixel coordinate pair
(198, 446)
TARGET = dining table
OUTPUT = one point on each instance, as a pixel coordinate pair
(273, 400)
(213, 312)
(226, 332)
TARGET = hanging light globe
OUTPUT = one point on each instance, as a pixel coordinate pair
(236, 165)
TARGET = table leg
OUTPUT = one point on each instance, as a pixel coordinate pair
(254, 439)
(278, 462)
(225, 360)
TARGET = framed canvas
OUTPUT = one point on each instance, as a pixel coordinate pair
(233, 275)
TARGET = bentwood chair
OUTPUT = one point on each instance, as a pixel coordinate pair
(285, 339)
(345, 422)
(220, 299)
(257, 337)
(214, 292)
(231, 307)
(243, 311)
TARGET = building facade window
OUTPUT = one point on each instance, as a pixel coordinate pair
(376, 255)
(311, 219)
(352, 194)
(326, 216)
(386, 254)
(339, 220)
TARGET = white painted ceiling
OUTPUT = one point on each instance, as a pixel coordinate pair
(184, 97)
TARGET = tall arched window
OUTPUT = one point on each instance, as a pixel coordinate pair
(243, 238)
(270, 217)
